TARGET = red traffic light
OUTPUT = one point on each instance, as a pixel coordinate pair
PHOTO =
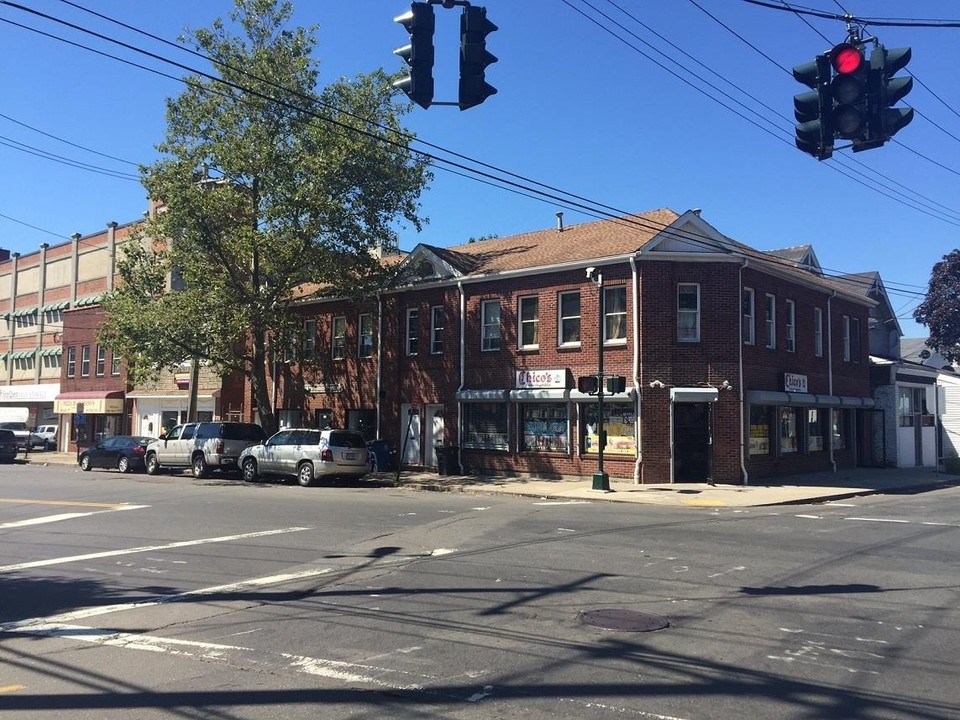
(846, 58)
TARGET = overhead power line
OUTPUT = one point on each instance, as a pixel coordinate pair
(596, 209)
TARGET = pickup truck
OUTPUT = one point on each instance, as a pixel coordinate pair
(26, 440)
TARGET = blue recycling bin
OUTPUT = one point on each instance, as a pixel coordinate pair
(381, 456)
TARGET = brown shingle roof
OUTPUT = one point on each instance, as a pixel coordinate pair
(603, 238)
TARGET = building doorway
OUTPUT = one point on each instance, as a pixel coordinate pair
(409, 434)
(692, 442)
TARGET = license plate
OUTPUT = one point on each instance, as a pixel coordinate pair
(350, 456)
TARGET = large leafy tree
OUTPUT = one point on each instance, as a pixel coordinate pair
(266, 188)
(940, 310)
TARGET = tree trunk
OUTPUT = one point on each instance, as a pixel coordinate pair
(258, 379)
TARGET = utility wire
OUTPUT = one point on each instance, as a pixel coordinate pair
(67, 142)
(630, 220)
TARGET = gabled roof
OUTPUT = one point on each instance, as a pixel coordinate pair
(802, 256)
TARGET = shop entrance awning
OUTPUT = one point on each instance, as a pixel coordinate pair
(95, 402)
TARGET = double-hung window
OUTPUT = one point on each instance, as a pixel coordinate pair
(366, 335)
(85, 361)
(818, 332)
(436, 330)
(309, 339)
(101, 360)
(748, 320)
(529, 323)
(615, 314)
(490, 321)
(771, 318)
(71, 361)
(339, 337)
(115, 362)
(846, 338)
(791, 326)
(688, 312)
(413, 330)
(569, 319)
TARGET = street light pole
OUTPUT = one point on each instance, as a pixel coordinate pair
(601, 481)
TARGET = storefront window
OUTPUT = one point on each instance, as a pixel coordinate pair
(619, 423)
(760, 429)
(789, 429)
(545, 427)
(485, 426)
(839, 429)
(814, 430)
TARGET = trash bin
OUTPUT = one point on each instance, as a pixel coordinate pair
(380, 455)
(448, 462)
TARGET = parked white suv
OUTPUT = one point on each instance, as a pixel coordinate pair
(49, 435)
(307, 454)
(202, 447)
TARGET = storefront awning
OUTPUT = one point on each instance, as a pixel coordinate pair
(694, 394)
(540, 395)
(627, 396)
(773, 397)
(482, 395)
(95, 402)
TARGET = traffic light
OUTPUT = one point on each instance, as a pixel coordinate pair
(420, 23)
(885, 91)
(849, 91)
(813, 109)
(474, 58)
(587, 384)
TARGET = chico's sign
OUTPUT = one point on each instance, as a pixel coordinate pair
(542, 378)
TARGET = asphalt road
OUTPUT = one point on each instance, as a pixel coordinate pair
(128, 596)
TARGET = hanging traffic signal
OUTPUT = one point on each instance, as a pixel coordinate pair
(849, 90)
(813, 109)
(886, 90)
(420, 23)
(474, 57)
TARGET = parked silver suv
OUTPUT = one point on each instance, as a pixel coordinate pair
(202, 447)
(307, 454)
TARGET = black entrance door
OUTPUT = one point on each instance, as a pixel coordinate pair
(692, 442)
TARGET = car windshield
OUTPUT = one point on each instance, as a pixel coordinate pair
(13, 426)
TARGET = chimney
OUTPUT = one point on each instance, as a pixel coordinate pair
(559, 221)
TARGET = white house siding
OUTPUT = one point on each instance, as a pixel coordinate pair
(950, 415)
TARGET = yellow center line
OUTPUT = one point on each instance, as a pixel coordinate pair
(11, 688)
(66, 503)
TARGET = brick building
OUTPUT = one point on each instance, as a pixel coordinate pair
(739, 363)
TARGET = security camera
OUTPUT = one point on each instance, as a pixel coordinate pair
(590, 271)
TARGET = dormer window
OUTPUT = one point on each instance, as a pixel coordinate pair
(425, 269)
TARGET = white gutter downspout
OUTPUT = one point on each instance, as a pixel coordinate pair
(463, 372)
(744, 418)
(379, 356)
(833, 462)
(636, 368)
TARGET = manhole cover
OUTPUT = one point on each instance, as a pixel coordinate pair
(628, 620)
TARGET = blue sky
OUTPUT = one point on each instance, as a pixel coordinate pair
(577, 108)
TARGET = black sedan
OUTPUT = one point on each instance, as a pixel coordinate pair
(123, 452)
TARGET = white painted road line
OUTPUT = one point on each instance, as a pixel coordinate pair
(146, 548)
(65, 516)
(71, 617)
(881, 520)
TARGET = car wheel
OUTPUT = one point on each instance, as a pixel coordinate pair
(123, 464)
(85, 463)
(249, 469)
(153, 467)
(199, 467)
(305, 474)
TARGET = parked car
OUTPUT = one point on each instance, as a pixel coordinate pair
(26, 440)
(202, 447)
(307, 454)
(49, 435)
(123, 452)
(8, 446)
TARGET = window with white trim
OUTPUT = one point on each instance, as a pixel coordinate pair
(71, 361)
(365, 348)
(101, 360)
(749, 318)
(309, 339)
(818, 332)
(615, 314)
(688, 312)
(436, 330)
(568, 330)
(490, 322)
(413, 330)
(85, 361)
(771, 320)
(846, 338)
(115, 363)
(529, 314)
(338, 334)
(791, 326)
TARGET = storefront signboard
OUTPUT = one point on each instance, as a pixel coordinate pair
(529, 379)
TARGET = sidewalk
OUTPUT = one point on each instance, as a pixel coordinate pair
(811, 488)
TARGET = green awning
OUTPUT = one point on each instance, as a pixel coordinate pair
(23, 313)
(22, 354)
(46, 352)
(63, 304)
(91, 300)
